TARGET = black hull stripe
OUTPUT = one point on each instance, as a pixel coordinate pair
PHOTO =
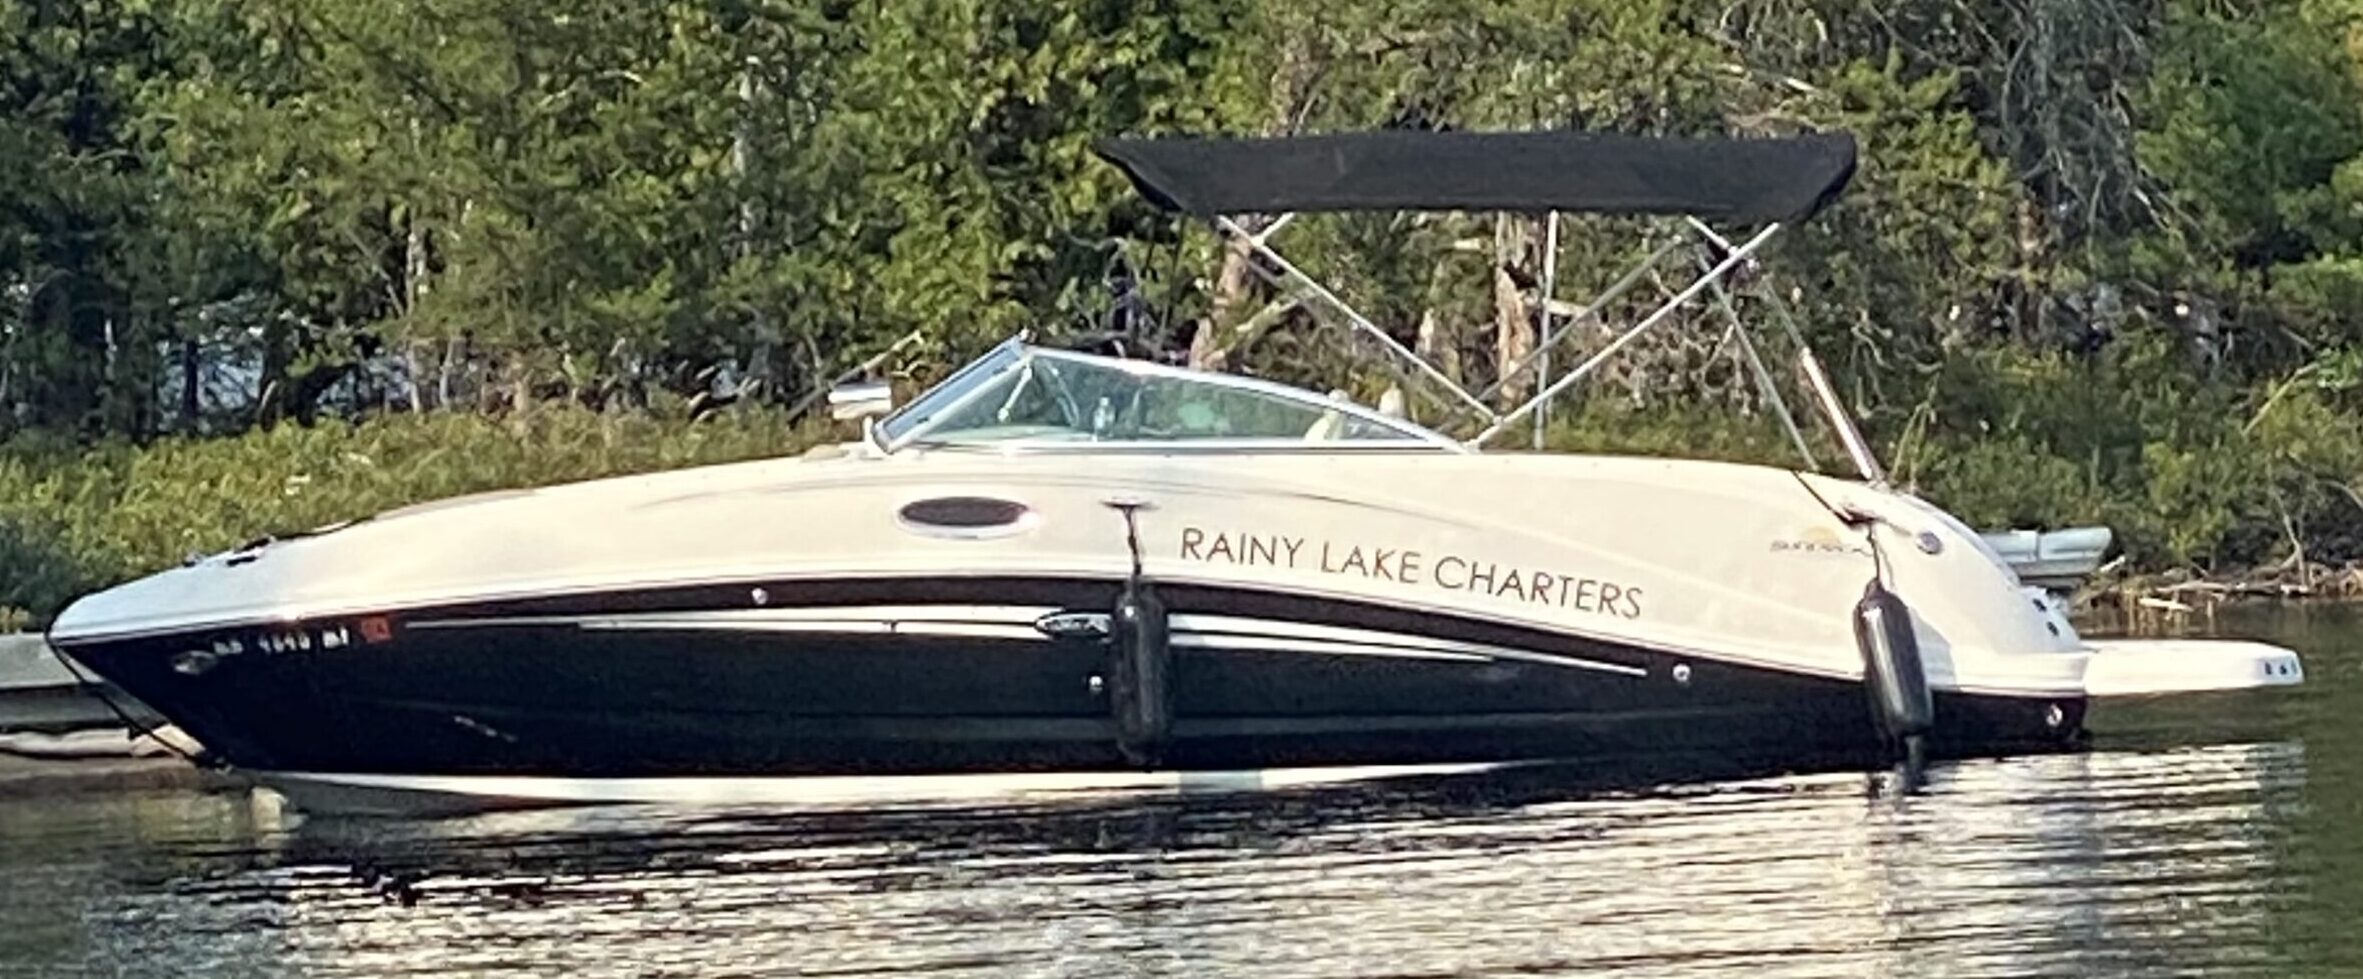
(1004, 622)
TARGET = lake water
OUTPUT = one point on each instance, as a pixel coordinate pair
(2224, 837)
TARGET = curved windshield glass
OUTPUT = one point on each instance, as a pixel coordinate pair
(950, 392)
(1054, 396)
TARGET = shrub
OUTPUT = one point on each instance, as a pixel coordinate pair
(76, 519)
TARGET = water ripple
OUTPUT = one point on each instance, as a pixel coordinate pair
(2132, 862)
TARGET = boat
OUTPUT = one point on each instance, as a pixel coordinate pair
(2058, 560)
(1057, 571)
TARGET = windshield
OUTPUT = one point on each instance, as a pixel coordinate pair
(1043, 395)
(949, 393)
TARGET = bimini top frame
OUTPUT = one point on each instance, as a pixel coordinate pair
(1767, 182)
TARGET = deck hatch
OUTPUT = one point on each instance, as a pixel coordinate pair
(967, 517)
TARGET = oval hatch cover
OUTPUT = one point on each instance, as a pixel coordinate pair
(966, 516)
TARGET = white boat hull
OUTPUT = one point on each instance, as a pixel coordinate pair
(1328, 611)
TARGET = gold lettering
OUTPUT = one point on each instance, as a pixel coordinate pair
(1481, 572)
(1222, 549)
(1510, 586)
(1261, 549)
(1585, 597)
(1448, 561)
(1453, 572)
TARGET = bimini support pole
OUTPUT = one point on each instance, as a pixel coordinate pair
(1762, 374)
(1721, 269)
(1260, 237)
(1858, 449)
(1289, 270)
(1542, 353)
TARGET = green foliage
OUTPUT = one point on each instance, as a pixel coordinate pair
(2100, 262)
(72, 519)
(1674, 431)
(2253, 114)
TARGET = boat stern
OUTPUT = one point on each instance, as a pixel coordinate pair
(2164, 667)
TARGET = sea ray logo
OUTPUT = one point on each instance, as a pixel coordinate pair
(1060, 625)
(1820, 540)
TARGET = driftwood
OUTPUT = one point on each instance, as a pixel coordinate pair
(2183, 596)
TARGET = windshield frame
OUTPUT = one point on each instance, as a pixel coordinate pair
(965, 385)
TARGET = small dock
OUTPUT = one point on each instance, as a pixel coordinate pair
(38, 692)
(57, 735)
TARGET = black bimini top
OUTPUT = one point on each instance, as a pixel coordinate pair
(1740, 180)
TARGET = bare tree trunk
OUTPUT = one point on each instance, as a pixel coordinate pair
(189, 402)
(1208, 351)
(414, 285)
(1435, 343)
(443, 373)
(1513, 316)
(2032, 240)
(270, 383)
(520, 384)
(1291, 88)
(1438, 341)
(506, 386)
(763, 351)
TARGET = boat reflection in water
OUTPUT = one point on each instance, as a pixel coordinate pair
(2090, 863)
